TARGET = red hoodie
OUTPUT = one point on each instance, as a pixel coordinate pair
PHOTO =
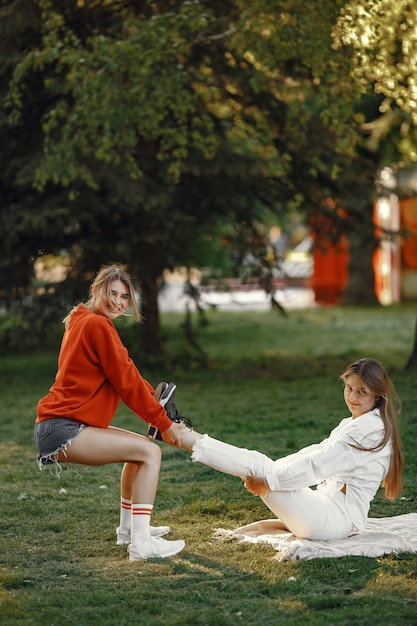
(94, 373)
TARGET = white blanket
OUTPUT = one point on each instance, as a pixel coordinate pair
(382, 536)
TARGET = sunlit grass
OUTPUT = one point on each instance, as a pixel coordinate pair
(273, 385)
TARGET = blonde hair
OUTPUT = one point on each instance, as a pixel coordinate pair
(101, 284)
(374, 376)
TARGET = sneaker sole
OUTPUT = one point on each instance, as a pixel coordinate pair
(173, 552)
(160, 392)
(153, 432)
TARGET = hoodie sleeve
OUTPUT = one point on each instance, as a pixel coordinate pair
(123, 375)
(340, 453)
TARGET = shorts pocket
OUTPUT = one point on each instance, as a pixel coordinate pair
(43, 429)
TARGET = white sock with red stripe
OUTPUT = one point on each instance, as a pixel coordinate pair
(141, 520)
(125, 514)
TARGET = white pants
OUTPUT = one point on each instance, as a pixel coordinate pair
(307, 513)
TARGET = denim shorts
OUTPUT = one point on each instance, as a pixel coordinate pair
(53, 436)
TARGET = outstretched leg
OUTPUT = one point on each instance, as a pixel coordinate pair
(307, 513)
(230, 459)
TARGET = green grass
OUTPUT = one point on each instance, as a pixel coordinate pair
(273, 385)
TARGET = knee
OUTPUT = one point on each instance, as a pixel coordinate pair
(154, 454)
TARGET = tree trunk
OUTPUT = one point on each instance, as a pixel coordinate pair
(360, 287)
(148, 272)
(151, 328)
(412, 361)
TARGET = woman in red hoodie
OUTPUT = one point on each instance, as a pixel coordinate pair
(73, 420)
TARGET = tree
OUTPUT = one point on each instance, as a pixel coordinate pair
(160, 119)
(412, 359)
(381, 35)
(152, 122)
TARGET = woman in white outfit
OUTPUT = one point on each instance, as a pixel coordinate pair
(348, 467)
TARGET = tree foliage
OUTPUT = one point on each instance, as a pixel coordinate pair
(383, 37)
(135, 128)
(175, 82)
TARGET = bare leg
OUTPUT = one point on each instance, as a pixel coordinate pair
(188, 438)
(129, 470)
(142, 459)
(127, 478)
(99, 446)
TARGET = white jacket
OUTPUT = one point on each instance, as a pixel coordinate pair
(335, 462)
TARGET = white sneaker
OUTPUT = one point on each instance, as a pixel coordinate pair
(123, 535)
(154, 548)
